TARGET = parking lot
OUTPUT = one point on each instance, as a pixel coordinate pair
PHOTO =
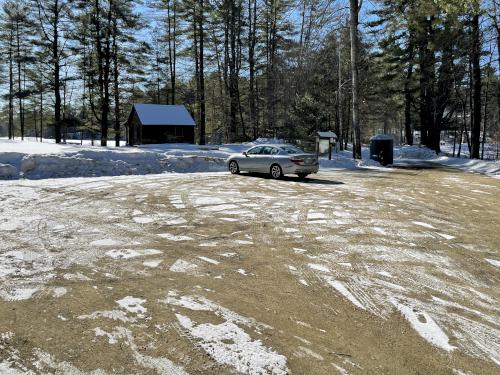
(350, 272)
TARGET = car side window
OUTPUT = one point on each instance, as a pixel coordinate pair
(254, 151)
(274, 151)
(266, 150)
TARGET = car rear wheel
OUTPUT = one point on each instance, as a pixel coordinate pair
(276, 171)
(234, 167)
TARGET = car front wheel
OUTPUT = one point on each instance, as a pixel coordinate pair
(233, 167)
(276, 171)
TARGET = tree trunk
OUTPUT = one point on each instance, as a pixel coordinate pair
(476, 74)
(172, 46)
(354, 11)
(252, 41)
(427, 78)
(408, 96)
(339, 94)
(19, 81)
(201, 57)
(41, 110)
(116, 73)
(57, 69)
(11, 86)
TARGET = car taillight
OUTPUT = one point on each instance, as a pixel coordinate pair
(297, 161)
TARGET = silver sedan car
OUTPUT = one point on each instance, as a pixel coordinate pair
(276, 160)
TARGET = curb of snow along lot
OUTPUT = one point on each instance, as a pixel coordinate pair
(87, 163)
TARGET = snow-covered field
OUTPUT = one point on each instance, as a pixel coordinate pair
(35, 160)
(353, 272)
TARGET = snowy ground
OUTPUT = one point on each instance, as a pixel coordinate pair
(354, 272)
(35, 160)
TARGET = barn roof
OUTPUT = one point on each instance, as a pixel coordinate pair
(161, 114)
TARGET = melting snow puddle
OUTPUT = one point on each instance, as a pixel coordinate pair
(425, 326)
(173, 237)
(128, 254)
(181, 265)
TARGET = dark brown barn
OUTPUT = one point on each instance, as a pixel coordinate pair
(158, 123)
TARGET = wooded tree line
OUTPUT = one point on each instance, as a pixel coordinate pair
(419, 70)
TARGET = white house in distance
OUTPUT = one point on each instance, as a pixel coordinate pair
(160, 123)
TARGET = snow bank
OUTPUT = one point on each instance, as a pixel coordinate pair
(34, 160)
(488, 167)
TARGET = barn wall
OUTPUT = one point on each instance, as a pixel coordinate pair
(167, 134)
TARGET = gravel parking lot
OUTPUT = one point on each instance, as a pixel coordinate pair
(355, 272)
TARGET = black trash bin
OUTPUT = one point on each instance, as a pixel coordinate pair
(381, 149)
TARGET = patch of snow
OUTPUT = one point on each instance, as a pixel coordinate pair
(425, 326)
(143, 219)
(59, 292)
(493, 262)
(319, 267)
(133, 305)
(105, 242)
(303, 282)
(422, 224)
(182, 265)
(243, 242)
(385, 273)
(18, 294)
(209, 260)
(109, 314)
(152, 263)
(445, 236)
(345, 292)
(173, 237)
(127, 253)
(230, 345)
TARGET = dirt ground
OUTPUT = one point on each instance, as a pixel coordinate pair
(352, 272)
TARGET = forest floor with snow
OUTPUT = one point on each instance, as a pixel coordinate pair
(366, 271)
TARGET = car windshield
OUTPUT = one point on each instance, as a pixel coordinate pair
(291, 150)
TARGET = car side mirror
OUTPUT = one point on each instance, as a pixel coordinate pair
(245, 153)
